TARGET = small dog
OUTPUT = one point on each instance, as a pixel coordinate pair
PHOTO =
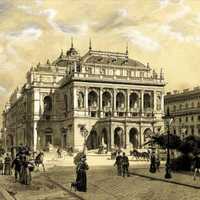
(74, 185)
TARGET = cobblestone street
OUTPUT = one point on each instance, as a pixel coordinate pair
(103, 184)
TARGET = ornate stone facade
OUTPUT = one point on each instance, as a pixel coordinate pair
(118, 100)
(185, 107)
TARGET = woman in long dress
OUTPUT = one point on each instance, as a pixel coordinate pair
(25, 172)
(81, 179)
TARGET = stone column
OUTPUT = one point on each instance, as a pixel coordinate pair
(128, 103)
(111, 137)
(75, 98)
(127, 138)
(35, 136)
(114, 103)
(162, 102)
(100, 102)
(154, 102)
(142, 102)
(86, 101)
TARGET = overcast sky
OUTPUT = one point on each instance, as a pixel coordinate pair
(165, 33)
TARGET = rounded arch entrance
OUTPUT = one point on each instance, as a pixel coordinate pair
(147, 134)
(92, 140)
(104, 137)
(118, 137)
(133, 138)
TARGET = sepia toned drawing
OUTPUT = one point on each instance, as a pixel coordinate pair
(99, 100)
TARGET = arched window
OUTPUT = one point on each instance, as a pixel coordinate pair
(106, 99)
(120, 100)
(133, 100)
(92, 99)
(147, 101)
(47, 104)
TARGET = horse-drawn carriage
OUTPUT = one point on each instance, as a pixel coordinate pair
(143, 154)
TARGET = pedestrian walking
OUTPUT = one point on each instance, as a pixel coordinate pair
(118, 163)
(158, 163)
(59, 152)
(1, 164)
(16, 164)
(196, 165)
(7, 165)
(81, 179)
(125, 165)
(153, 163)
(25, 171)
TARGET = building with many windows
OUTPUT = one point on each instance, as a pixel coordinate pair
(100, 98)
(185, 108)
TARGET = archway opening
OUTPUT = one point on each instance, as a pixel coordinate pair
(133, 138)
(133, 100)
(147, 101)
(120, 101)
(147, 134)
(92, 140)
(106, 100)
(92, 99)
(118, 137)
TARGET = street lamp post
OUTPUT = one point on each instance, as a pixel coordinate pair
(168, 119)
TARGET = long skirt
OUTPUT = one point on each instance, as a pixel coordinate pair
(81, 181)
(25, 176)
(7, 169)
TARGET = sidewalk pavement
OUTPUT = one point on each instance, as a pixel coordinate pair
(178, 178)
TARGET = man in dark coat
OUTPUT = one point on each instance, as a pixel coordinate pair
(125, 165)
(7, 165)
(16, 164)
(118, 162)
(196, 165)
(153, 163)
(81, 179)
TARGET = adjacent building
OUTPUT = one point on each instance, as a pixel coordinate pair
(98, 98)
(185, 108)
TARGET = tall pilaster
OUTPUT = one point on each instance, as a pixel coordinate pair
(162, 102)
(142, 102)
(100, 102)
(35, 136)
(75, 98)
(86, 101)
(114, 102)
(154, 101)
(128, 103)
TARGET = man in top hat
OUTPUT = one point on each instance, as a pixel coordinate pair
(196, 165)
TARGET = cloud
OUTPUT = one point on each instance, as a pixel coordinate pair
(116, 19)
(142, 41)
(26, 9)
(61, 26)
(28, 33)
(39, 2)
(72, 29)
(5, 5)
(179, 36)
(3, 90)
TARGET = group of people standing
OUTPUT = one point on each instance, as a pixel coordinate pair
(20, 163)
(122, 163)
